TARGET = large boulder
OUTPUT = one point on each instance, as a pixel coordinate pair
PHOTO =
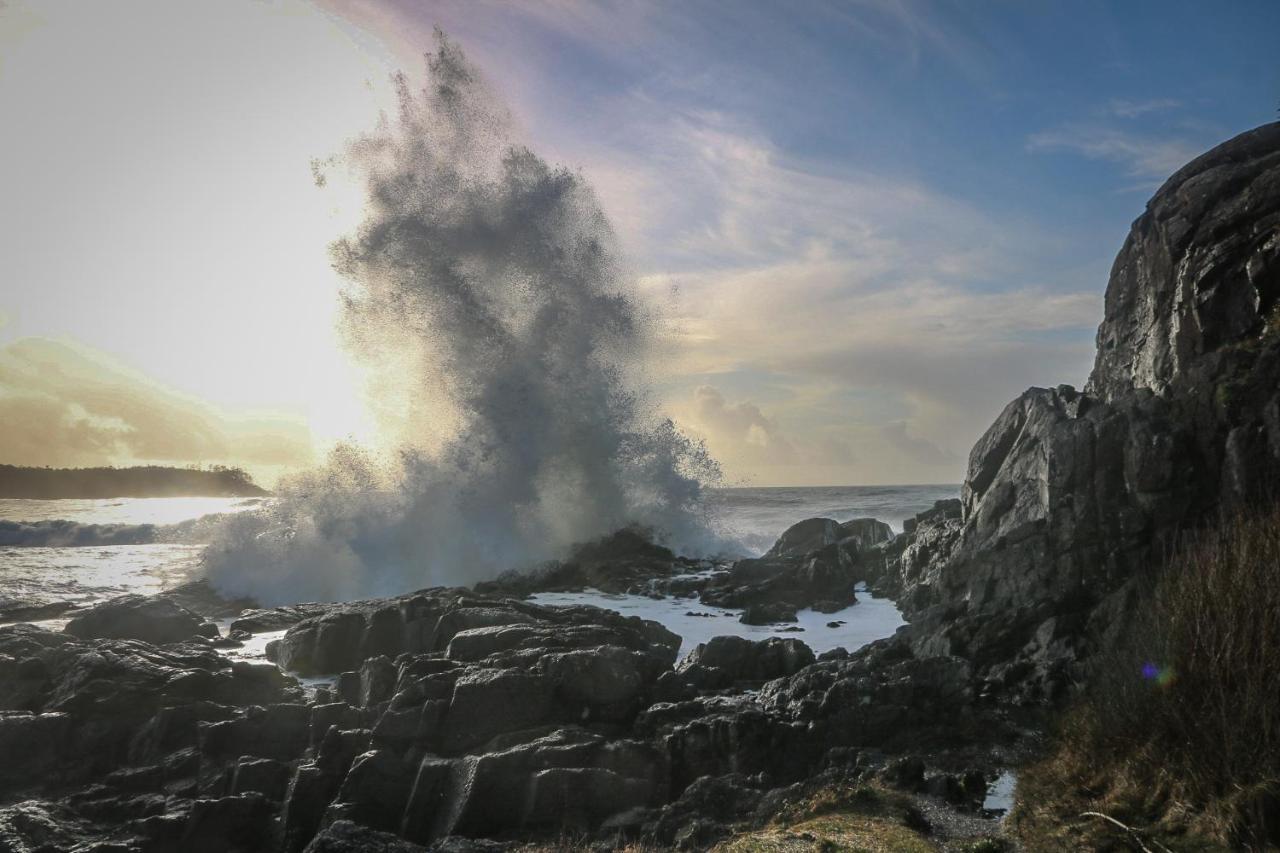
(805, 536)
(865, 533)
(815, 563)
(723, 661)
(134, 617)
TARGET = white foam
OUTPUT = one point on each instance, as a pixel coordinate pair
(1000, 793)
(507, 338)
(869, 620)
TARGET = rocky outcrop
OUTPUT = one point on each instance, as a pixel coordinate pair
(626, 561)
(155, 620)
(814, 534)
(462, 716)
(1070, 495)
(726, 661)
(815, 563)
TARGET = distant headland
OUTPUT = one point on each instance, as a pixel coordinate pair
(149, 481)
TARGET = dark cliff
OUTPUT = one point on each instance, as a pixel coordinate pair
(1070, 496)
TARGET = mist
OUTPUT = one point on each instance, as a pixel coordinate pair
(508, 351)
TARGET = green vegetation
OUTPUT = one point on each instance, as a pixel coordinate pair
(151, 481)
(1178, 735)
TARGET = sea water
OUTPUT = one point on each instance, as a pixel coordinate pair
(754, 517)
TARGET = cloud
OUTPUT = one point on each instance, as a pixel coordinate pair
(1141, 156)
(919, 449)
(871, 300)
(740, 428)
(753, 448)
(1125, 108)
(66, 405)
(849, 298)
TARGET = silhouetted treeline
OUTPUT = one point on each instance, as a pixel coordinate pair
(150, 481)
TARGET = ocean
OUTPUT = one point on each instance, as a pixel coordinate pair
(84, 551)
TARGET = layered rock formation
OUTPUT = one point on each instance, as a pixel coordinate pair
(1070, 496)
(450, 715)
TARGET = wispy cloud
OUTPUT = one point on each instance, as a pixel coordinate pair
(1126, 108)
(837, 284)
(1140, 155)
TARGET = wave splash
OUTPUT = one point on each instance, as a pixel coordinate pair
(487, 294)
(65, 533)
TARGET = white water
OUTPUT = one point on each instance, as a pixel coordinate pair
(509, 349)
(756, 517)
(869, 620)
(1000, 794)
(88, 574)
(122, 510)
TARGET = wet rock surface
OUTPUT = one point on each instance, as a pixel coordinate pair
(451, 716)
(157, 620)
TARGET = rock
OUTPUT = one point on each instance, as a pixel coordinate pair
(722, 661)
(231, 823)
(135, 617)
(595, 678)
(488, 702)
(12, 610)
(805, 537)
(1069, 495)
(277, 618)
(703, 809)
(263, 776)
(905, 773)
(882, 697)
(375, 791)
(625, 561)
(567, 779)
(279, 731)
(865, 533)
(32, 746)
(766, 614)
(816, 563)
(343, 836)
(1198, 272)
(829, 606)
(34, 826)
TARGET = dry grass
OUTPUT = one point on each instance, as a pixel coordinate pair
(831, 832)
(844, 817)
(858, 818)
(1179, 733)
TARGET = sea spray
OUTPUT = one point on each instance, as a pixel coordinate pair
(488, 298)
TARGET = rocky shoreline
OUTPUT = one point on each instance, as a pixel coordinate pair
(457, 714)
(477, 720)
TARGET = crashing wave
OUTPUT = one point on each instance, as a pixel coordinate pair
(62, 533)
(488, 296)
(72, 534)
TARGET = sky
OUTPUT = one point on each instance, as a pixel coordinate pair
(867, 225)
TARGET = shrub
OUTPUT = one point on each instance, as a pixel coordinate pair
(1179, 728)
